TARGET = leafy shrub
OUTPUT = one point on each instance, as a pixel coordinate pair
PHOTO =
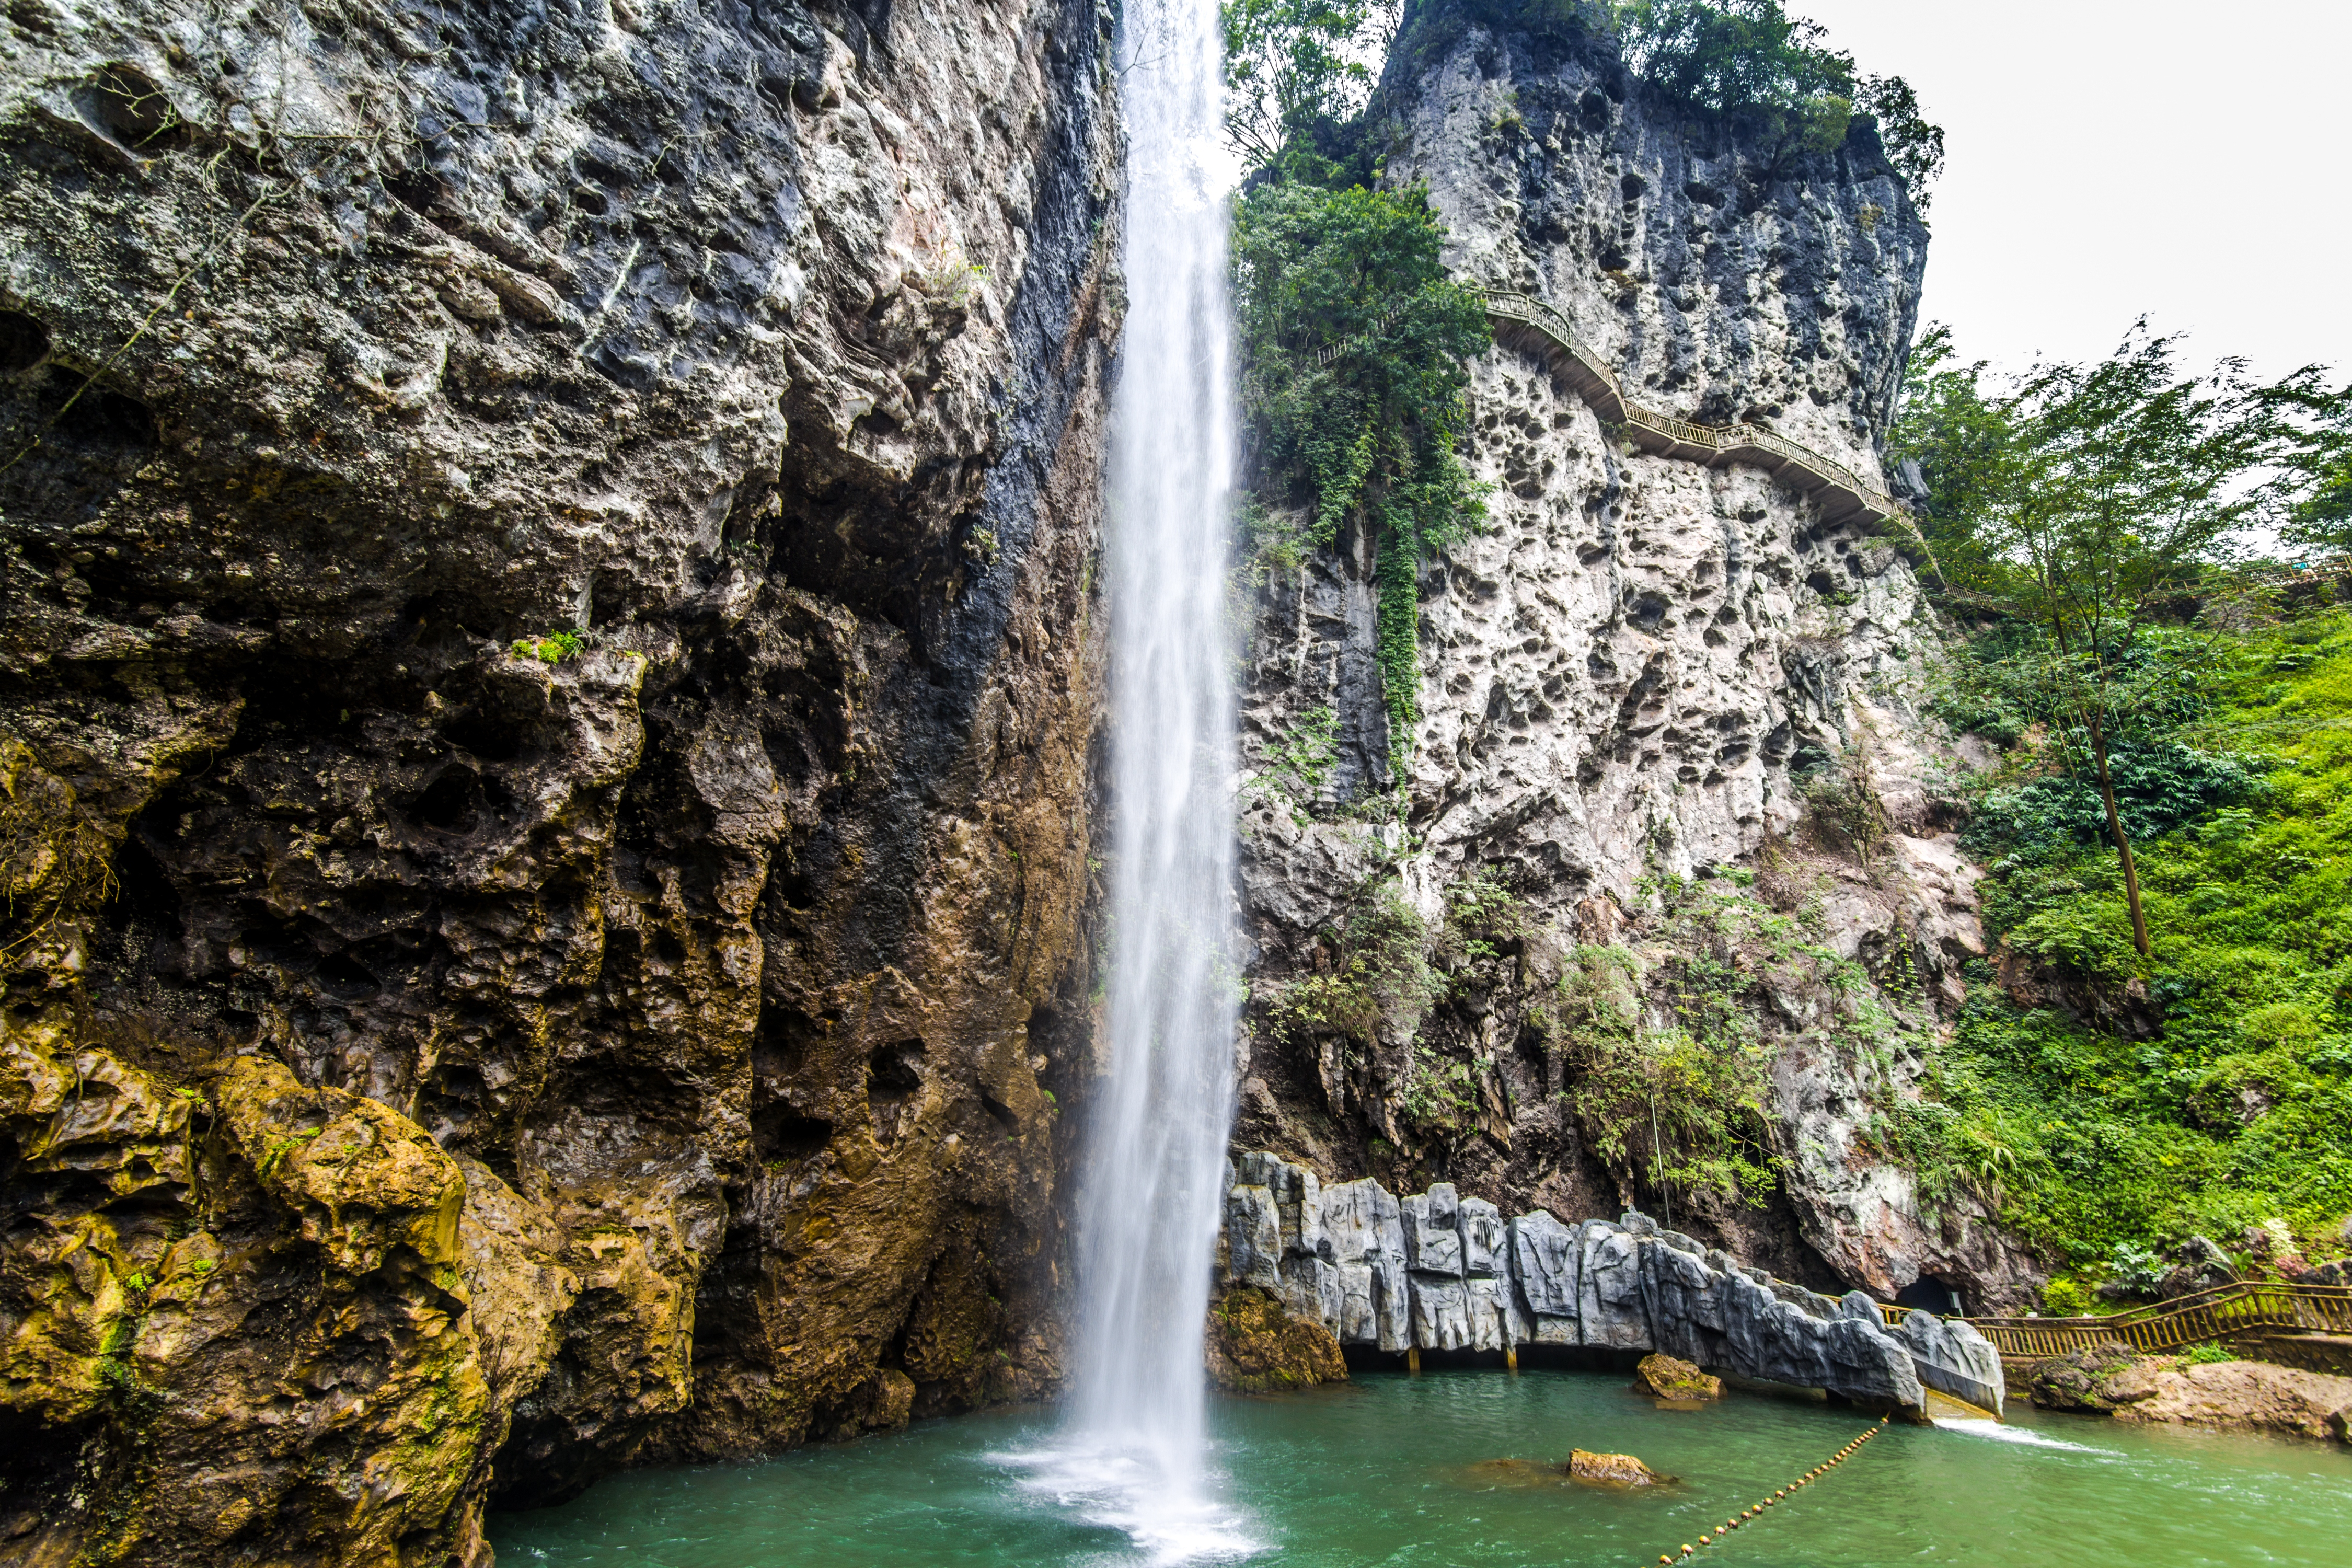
(2064, 1298)
(1354, 343)
(2158, 788)
(1379, 980)
(1296, 768)
(552, 648)
(2208, 1353)
(2135, 1268)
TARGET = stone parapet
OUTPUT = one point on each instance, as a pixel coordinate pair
(1435, 1271)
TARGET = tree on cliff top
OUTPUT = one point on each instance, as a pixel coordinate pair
(1290, 64)
(1750, 62)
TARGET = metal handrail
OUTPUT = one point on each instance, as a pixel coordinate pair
(2213, 1314)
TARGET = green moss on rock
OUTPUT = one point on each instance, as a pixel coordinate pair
(1254, 1347)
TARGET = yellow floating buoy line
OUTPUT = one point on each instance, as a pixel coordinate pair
(1750, 1516)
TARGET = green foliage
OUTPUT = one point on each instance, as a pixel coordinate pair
(2082, 503)
(1913, 145)
(1378, 978)
(1746, 59)
(1354, 343)
(1751, 63)
(2314, 474)
(1698, 1075)
(1439, 1092)
(2208, 1353)
(1482, 914)
(554, 648)
(1293, 65)
(2064, 1298)
(1843, 800)
(2240, 1109)
(2137, 1268)
(1296, 768)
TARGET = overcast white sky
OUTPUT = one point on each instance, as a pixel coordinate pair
(2106, 159)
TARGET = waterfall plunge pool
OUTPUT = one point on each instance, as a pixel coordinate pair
(1392, 1471)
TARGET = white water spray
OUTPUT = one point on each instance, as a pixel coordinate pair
(1132, 1453)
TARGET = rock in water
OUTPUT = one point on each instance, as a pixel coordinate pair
(2073, 1382)
(1622, 1470)
(1254, 1347)
(1949, 1355)
(2231, 1397)
(1670, 1378)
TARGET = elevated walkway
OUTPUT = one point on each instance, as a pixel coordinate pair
(2294, 1324)
(1530, 326)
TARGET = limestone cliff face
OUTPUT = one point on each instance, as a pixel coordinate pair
(434, 1070)
(1624, 680)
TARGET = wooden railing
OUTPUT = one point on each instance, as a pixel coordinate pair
(1532, 324)
(2216, 1314)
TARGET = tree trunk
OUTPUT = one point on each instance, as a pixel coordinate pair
(2123, 840)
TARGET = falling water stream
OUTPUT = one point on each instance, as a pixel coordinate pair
(1132, 1448)
(1406, 1471)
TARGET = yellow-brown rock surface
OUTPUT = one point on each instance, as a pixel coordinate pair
(441, 1059)
(1254, 1347)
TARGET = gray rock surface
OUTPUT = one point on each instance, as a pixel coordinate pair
(1434, 1242)
(1951, 1355)
(1544, 1255)
(1366, 1228)
(1628, 1286)
(1253, 1237)
(1630, 672)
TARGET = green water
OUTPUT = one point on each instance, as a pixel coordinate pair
(1392, 1470)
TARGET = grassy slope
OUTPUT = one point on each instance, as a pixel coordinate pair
(2241, 1112)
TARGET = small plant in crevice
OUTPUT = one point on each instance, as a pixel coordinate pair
(1296, 768)
(1371, 977)
(55, 857)
(1842, 798)
(554, 647)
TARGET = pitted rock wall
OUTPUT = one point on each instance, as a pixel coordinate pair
(1627, 678)
(434, 1070)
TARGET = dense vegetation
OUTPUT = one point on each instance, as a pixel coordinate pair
(1353, 390)
(1752, 62)
(2168, 830)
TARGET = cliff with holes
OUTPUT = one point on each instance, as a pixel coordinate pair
(548, 681)
(1657, 905)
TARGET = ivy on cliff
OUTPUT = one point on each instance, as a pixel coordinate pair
(1354, 346)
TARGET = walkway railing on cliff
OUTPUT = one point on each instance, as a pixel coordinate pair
(2216, 1314)
(1530, 324)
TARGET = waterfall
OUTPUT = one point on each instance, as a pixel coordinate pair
(1151, 1193)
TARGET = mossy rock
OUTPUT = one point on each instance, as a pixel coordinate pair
(1256, 1347)
(1670, 1378)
